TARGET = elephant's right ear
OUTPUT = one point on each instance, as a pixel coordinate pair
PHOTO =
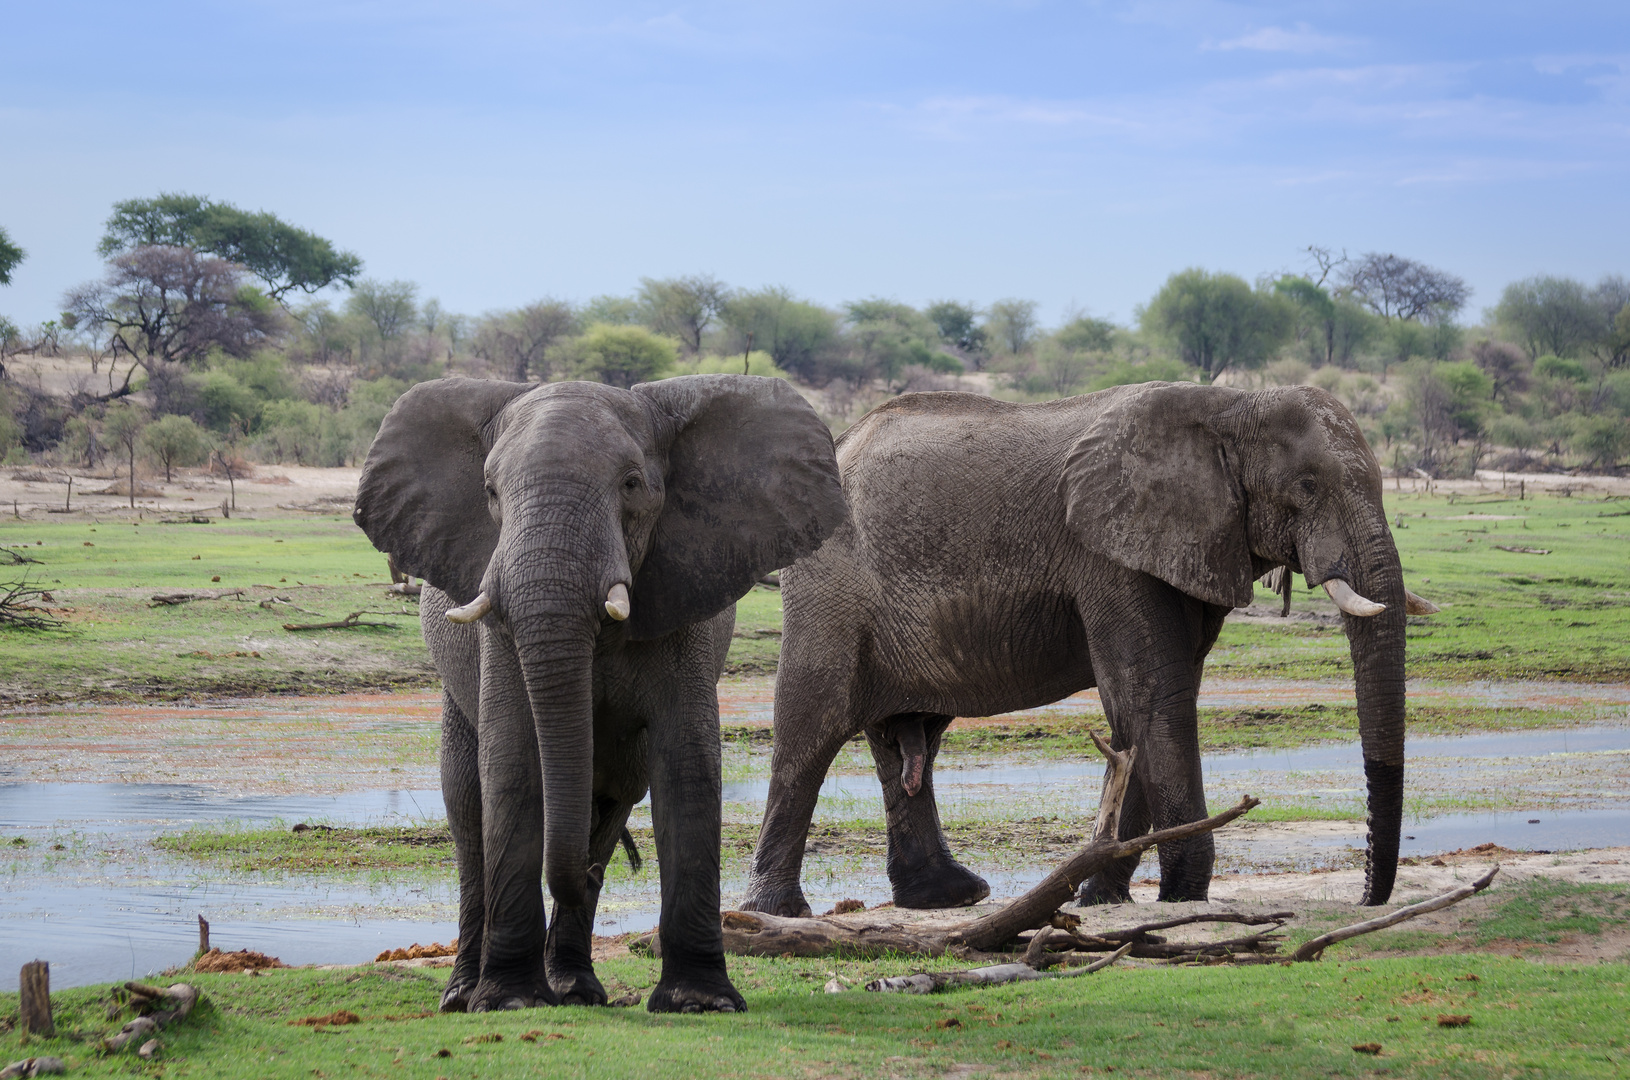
(422, 500)
(1150, 485)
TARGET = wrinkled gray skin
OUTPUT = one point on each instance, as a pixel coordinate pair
(556, 718)
(1003, 556)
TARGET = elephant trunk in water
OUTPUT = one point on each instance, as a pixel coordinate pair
(1377, 646)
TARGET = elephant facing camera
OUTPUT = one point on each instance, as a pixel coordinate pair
(582, 548)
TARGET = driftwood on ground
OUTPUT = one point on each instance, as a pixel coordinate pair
(1314, 948)
(162, 1007)
(350, 622)
(932, 982)
(17, 607)
(175, 599)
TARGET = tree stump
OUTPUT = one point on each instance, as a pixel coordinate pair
(203, 936)
(35, 984)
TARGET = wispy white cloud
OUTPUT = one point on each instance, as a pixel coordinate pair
(1300, 39)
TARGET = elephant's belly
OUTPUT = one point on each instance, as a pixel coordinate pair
(971, 657)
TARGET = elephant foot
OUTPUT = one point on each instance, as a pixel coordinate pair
(940, 885)
(499, 997)
(789, 903)
(694, 995)
(1095, 891)
(460, 988)
(578, 987)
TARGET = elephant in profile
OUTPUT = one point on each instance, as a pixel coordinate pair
(583, 548)
(1002, 556)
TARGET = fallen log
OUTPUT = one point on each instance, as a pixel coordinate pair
(932, 982)
(753, 933)
(176, 599)
(168, 1004)
(1314, 948)
(350, 622)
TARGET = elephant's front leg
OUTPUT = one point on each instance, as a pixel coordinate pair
(921, 869)
(685, 810)
(1148, 682)
(571, 930)
(512, 957)
(461, 792)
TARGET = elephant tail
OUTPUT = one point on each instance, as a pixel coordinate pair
(634, 860)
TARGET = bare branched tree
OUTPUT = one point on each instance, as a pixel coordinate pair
(682, 307)
(161, 305)
(1398, 288)
(518, 341)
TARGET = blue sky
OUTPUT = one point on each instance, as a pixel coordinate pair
(1072, 153)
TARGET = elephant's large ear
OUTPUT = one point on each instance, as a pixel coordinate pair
(422, 499)
(752, 485)
(1151, 485)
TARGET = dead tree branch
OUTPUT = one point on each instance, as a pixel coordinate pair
(1314, 949)
(17, 608)
(932, 982)
(176, 599)
(350, 622)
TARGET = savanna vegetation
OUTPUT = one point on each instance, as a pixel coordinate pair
(252, 339)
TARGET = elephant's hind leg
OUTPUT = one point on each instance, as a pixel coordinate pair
(461, 791)
(921, 869)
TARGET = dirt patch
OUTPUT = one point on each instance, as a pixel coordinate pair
(216, 961)
(419, 952)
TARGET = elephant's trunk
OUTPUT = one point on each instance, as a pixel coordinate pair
(559, 686)
(1377, 645)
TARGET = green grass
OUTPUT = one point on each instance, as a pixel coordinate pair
(119, 647)
(1526, 1020)
(1544, 910)
(1506, 615)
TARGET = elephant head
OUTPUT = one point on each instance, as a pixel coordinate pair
(1214, 486)
(571, 517)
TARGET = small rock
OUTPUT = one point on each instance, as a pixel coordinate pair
(149, 1050)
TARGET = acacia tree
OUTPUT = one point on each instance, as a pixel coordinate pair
(388, 307)
(682, 307)
(1548, 314)
(799, 336)
(957, 323)
(161, 305)
(279, 254)
(1217, 321)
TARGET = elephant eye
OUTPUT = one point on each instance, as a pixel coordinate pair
(631, 482)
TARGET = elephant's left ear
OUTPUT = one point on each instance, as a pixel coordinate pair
(1151, 483)
(752, 486)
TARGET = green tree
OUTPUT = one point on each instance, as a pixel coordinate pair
(1086, 334)
(1601, 440)
(279, 254)
(1546, 314)
(388, 309)
(614, 310)
(619, 355)
(122, 426)
(1012, 325)
(958, 324)
(799, 336)
(172, 441)
(11, 256)
(1217, 321)
(292, 429)
(682, 307)
(1315, 326)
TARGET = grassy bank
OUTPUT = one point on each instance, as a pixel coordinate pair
(1525, 1019)
(117, 645)
(1507, 614)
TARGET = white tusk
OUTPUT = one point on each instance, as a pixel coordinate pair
(470, 612)
(1419, 605)
(1349, 601)
(617, 605)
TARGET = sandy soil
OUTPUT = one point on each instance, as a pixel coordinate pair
(273, 490)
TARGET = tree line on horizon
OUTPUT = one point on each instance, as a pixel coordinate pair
(241, 335)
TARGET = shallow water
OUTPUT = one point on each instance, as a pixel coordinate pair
(110, 905)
